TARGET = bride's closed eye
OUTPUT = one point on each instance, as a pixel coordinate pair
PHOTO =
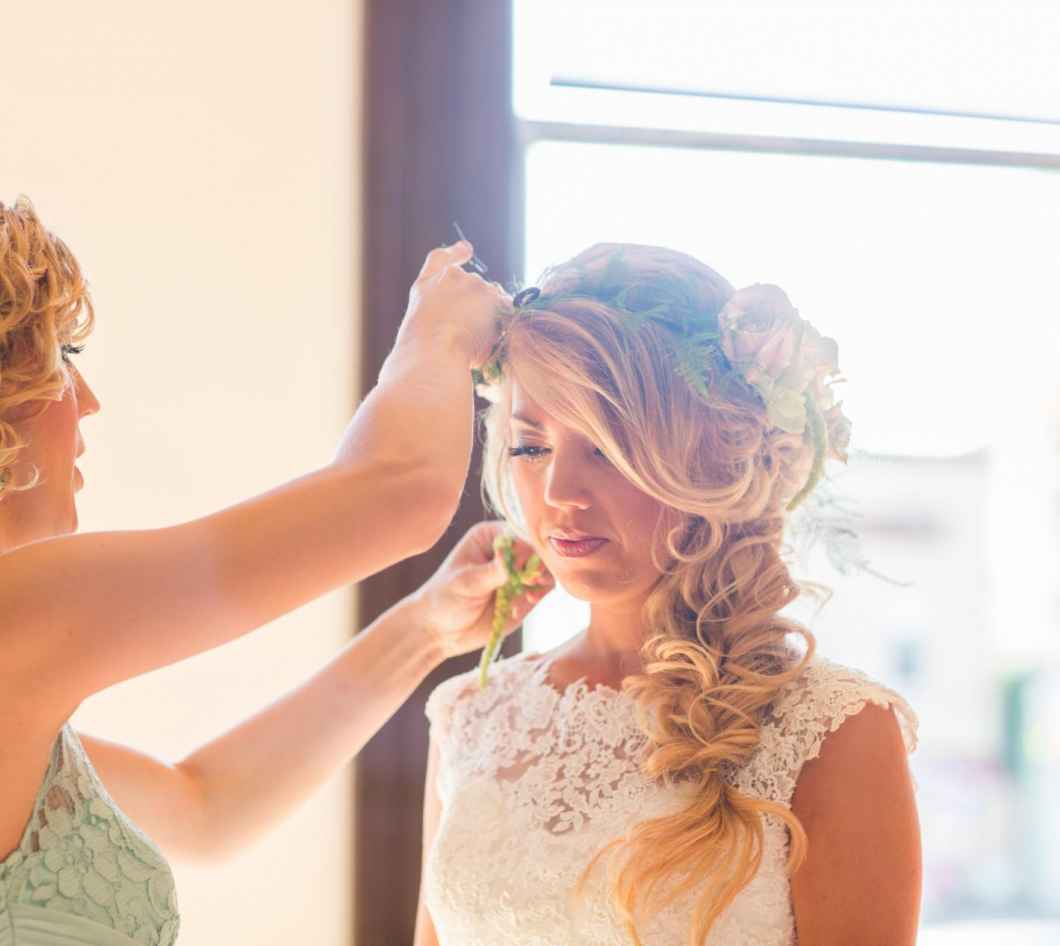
(531, 453)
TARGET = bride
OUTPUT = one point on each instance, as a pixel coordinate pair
(687, 769)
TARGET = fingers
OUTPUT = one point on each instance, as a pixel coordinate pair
(503, 295)
(481, 580)
(533, 598)
(523, 553)
(476, 549)
(477, 545)
(522, 607)
(456, 254)
(491, 575)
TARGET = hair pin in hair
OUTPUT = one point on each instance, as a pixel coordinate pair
(475, 263)
(526, 296)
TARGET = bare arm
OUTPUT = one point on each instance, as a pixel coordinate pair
(432, 813)
(237, 786)
(82, 612)
(161, 798)
(860, 884)
(233, 789)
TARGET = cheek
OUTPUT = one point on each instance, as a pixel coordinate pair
(527, 491)
(53, 436)
(640, 514)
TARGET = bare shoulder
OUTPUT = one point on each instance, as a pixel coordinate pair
(861, 882)
(32, 708)
(33, 626)
(864, 751)
(30, 601)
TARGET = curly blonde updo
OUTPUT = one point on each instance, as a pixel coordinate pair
(717, 651)
(44, 307)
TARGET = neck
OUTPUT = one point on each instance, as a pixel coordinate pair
(614, 638)
(8, 536)
(17, 530)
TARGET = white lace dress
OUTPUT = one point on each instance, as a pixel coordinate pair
(533, 782)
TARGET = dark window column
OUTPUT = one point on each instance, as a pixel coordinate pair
(439, 146)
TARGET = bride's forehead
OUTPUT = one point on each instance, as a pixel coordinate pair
(522, 403)
(527, 411)
(524, 406)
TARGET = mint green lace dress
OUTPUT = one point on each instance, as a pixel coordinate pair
(83, 874)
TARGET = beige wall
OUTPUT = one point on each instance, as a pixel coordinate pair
(201, 159)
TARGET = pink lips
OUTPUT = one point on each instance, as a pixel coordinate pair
(576, 549)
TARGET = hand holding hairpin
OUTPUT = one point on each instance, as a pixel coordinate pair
(475, 263)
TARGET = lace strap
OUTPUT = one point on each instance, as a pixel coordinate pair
(439, 708)
(812, 707)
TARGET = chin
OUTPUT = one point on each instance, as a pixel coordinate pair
(584, 588)
(607, 587)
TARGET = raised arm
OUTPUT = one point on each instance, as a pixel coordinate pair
(237, 786)
(81, 612)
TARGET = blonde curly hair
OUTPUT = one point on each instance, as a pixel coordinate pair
(718, 651)
(45, 312)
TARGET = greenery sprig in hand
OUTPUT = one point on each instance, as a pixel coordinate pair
(457, 607)
(519, 580)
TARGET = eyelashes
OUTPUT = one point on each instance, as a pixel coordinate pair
(532, 454)
(71, 350)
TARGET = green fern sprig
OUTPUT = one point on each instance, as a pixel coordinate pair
(689, 366)
(504, 597)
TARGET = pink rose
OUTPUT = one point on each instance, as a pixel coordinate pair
(816, 360)
(777, 352)
(759, 331)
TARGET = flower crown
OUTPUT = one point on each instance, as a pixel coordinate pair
(758, 340)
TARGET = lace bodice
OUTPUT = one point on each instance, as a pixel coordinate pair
(534, 781)
(83, 874)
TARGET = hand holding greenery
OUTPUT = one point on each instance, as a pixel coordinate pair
(456, 606)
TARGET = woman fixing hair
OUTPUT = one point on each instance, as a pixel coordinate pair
(84, 822)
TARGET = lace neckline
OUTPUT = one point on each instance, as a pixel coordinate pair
(542, 663)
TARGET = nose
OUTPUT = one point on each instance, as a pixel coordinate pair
(87, 402)
(567, 484)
